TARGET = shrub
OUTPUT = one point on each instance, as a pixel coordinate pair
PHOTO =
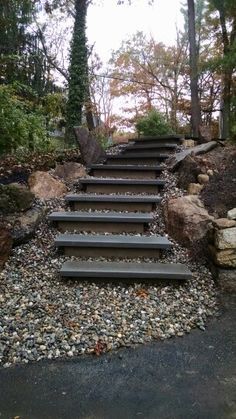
(153, 124)
(20, 126)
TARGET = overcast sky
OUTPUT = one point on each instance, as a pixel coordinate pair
(109, 24)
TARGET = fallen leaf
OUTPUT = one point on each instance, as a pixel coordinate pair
(141, 293)
(100, 348)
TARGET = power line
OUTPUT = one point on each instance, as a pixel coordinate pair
(122, 79)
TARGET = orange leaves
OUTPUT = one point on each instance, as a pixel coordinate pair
(100, 348)
(142, 293)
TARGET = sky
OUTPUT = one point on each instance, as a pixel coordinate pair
(108, 24)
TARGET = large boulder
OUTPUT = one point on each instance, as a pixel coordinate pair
(70, 171)
(6, 242)
(187, 220)
(14, 198)
(44, 186)
(90, 150)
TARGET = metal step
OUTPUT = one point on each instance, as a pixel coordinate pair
(111, 245)
(111, 222)
(129, 171)
(113, 202)
(108, 185)
(130, 271)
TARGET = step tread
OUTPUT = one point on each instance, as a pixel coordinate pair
(134, 155)
(156, 138)
(102, 217)
(154, 146)
(112, 181)
(131, 167)
(112, 198)
(113, 240)
(124, 270)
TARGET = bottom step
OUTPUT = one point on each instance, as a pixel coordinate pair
(114, 270)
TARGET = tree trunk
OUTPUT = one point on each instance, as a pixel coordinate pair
(78, 73)
(195, 105)
(227, 73)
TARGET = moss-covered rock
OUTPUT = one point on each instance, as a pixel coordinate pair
(15, 198)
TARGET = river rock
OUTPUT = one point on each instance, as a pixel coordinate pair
(194, 188)
(44, 186)
(187, 220)
(232, 214)
(90, 150)
(203, 179)
(70, 171)
(15, 197)
(6, 242)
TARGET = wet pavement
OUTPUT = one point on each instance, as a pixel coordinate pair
(193, 377)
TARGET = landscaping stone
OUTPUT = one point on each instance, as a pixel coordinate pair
(90, 150)
(222, 223)
(24, 225)
(226, 239)
(187, 220)
(224, 258)
(188, 171)
(194, 188)
(14, 198)
(226, 279)
(44, 186)
(5, 244)
(173, 162)
(232, 214)
(70, 171)
(203, 179)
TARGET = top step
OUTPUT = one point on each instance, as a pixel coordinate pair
(169, 137)
(155, 146)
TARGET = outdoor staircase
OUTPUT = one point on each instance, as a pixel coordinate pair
(128, 183)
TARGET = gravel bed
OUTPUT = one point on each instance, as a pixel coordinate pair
(44, 316)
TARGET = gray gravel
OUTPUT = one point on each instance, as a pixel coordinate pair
(43, 316)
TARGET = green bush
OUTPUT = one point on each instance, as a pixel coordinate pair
(153, 124)
(20, 125)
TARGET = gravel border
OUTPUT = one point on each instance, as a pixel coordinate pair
(45, 317)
